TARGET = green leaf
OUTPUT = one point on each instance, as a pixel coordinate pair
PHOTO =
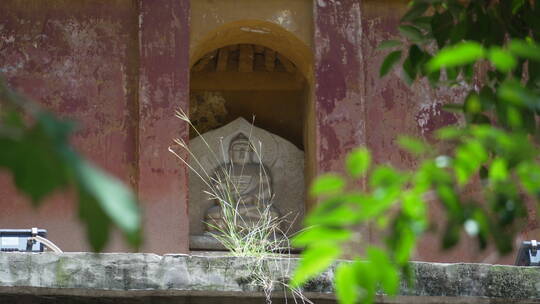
(469, 157)
(388, 44)
(479, 119)
(487, 98)
(451, 235)
(11, 118)
(451, 74)
(358, 162)
(33, 158)
(417, 57)
(501, 59)
(389, 62)
(503, 241)
(316, 234)
(417, 10)
(383, 199)
(449, 133)
(478, 25)
(468, 72)
(449, 198)
(413, 205)
(460, 54)
(340, 215)
(112, 196)
(482, 221)
(388, 273)
(314, 261)
(96, 221)
(498, 170)
(335, 201)
(525, 49)
(345, 281)
(433, 77)
(513, 92)
(529, 175)
(442, 25)
(459, 31)
(483, 173)
(410, 32)
(385, 176)
(409, 71)
(472, 104)
(412, 145)
(534, 74)
(516, 5)
(367, 277)
(422, 23)
(405, 245)
(327, 184)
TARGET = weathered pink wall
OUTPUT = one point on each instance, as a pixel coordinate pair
(81, 59)
(356, 107)
(120, 68)
(163, 88)
(339, 78)
(393, 108)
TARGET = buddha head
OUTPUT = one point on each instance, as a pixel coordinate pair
(240, 150)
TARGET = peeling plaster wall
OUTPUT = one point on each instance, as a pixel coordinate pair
(356, 107)
(163, 87)
(121, 67)
(339, 82)
(81, 59)
(392, 108)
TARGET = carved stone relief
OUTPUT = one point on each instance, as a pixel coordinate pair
(242, 152)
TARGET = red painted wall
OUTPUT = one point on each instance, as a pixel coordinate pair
(109, 66)
(120, 68)
(356, 107)
(163, 87)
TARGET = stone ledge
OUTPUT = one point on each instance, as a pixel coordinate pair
(128, 275)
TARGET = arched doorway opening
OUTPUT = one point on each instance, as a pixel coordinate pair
(258, 71)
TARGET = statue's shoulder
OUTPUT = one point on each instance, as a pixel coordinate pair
(221, 169)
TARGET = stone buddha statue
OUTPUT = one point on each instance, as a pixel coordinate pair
(244, 184)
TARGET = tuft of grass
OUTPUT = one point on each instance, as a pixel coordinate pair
(264, 240)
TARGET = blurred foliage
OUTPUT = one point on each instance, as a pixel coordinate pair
(35, 149)
(491, 49)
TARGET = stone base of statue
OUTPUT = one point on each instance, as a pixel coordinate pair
(242, 219)
(205, 241)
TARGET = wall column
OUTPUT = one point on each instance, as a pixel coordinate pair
(163, 87)
(339, 82)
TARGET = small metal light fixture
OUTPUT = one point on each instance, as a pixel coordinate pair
(528, 254)
(25, 240)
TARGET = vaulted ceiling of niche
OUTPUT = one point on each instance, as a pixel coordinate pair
(245, 66)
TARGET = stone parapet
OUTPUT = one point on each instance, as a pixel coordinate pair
(150, 278)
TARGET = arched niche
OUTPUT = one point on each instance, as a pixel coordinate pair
(258, 32)
(258, 71)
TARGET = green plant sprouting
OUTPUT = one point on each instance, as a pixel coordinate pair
(264, 241)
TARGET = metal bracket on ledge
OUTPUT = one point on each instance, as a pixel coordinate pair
(25, 240)
(528, 254)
